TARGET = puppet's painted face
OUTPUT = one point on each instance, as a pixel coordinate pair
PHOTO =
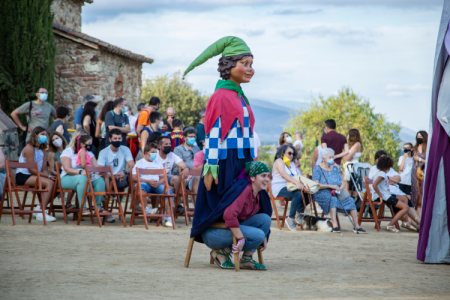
(243, 72)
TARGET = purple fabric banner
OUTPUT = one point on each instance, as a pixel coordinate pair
(439, 148)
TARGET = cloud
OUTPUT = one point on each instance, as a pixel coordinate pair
(397, 90)
(250, 32)
(297, 12)
(322, 31)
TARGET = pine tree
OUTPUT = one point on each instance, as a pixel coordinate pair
(27, 51)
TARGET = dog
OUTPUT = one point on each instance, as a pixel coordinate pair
(319, 224)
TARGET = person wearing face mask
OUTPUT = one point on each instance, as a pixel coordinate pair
(176, 135)
(62, 116)
(283, 172)
(165, 128)
(117, 119)
(151, 183)
(285, 139)
(119, 158)
(419, 155)
(57, 144)
(405, 164)
(90, 124)
(187, 152)
(34, 151)
(40, 112)
(329, 178)
(169, 160)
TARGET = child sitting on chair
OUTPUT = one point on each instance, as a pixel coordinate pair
(84, 145)
(381, 188)
(153, 184)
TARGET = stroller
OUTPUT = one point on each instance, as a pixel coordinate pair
(357, 172)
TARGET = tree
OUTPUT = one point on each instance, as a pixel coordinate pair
(27, 51)
(349, 111)
(177, 93)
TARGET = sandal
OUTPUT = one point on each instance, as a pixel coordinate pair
(249, 259)
(70, 206)
(408, 226)
(392, 229)
(228, 264)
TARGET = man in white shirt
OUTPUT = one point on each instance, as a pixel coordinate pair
(256, 145)
(152, 183)
(119, 158)
(169, 159)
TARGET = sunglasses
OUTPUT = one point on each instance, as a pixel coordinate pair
(290, 153)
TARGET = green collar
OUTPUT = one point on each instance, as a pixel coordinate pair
(230, 85)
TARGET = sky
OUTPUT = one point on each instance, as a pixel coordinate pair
(383, 50)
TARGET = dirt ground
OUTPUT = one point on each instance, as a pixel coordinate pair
(65, 261)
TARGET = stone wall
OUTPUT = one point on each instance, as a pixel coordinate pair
(68, 13)
(81, 70)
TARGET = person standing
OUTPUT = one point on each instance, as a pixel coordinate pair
(62, 115)
(356, 148)
(144, 116)
(40, 112)
(201, 136)
(132, 119)
(117, 119)
(90, 124)
(170, 116)
(335, 141)
(419, 155)
(78, 121)
(405, 165)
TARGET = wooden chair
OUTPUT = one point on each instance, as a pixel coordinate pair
(211, 261)
(140, 193)
(11, 187)
(367, 200)
(419, 195)
(91, 193)
(130, 194)
(57, 189)
(182, 189)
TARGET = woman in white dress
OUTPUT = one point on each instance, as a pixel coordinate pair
(356, 149)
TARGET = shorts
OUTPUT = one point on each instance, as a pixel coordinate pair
(392, 200)
(22, 178)
(169, 178)
(405, 188)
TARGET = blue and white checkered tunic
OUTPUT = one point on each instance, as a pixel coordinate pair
(237, 138)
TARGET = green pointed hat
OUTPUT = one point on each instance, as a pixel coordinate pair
(228, 46)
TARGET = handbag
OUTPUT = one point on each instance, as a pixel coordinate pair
(342, 195)
(312, 186)
(24, 135)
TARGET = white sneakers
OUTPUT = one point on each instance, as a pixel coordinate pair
(150, 211)
(40, 218)
(167, 222)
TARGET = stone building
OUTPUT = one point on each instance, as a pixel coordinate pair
(87, 65)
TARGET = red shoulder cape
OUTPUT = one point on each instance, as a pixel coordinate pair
(227, 105)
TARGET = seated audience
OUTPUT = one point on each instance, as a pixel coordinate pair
(144, 116)
(176, 135)
(73, 178)
(405, 164)
(119, 158)
(381, 190)
(168, 160)
(283, 171)
(117, 119)
(56, 146)
(170, 116)
(164, 128)
(247, 218)
(187, 152)
(154, 126)
(62, 116)
(2, 172)
(201, 135)
(335, 141)
(90, 124)
(34, 151)
(329, 178)
(100, 130)
(152, 183)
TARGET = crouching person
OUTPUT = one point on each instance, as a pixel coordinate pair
(152, 183)
(246, 212)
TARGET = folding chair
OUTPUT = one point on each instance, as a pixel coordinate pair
(130, 193)
(377, 218)
(139, 192)
(57, 189)
(188, 212)
(211, 261)
(419, 195)
(91, 193)
(11, 187)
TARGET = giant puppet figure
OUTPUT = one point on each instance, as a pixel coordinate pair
(229, 124)
(434, 238)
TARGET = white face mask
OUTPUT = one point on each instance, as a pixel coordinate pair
(289, 139)
(161, 124)
(57, 143)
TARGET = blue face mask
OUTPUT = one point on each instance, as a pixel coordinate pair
(330, 162)
(191, 141)
(153, 156)
(43, 96)
(125, 109)
(42, 139)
